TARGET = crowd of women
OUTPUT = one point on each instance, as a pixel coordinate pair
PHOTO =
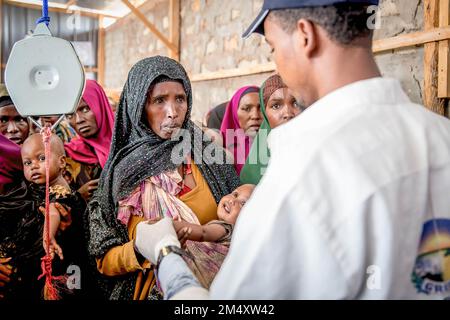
(111, 170)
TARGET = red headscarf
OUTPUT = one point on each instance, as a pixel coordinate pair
(10, 161)
(236, 141)
(80, 149)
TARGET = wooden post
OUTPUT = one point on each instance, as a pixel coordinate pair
(150, 25)
(174, 35)
(444, 54)
(101, 52)
(430, 94)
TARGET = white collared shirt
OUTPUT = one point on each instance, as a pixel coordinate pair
(340, 210)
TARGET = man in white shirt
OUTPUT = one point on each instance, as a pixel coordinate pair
(355, 203)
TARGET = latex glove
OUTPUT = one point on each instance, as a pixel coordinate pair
(151, 238)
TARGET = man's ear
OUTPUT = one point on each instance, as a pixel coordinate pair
(307, 33)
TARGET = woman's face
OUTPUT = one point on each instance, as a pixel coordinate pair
(166, 108)
(281, 107)
(12, 125)
(83, 121)
(249, 114)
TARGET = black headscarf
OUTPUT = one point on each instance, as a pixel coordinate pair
(5, 101)
(138, 153)
(21, 227)
(216, 116)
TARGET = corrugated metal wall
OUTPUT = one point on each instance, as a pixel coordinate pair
(17, 22)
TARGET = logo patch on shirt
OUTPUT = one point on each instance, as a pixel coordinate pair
(431, 274)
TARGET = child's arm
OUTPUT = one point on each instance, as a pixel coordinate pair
(194, 232)
(55, 220)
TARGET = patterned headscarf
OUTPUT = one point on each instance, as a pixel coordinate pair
(138, 153)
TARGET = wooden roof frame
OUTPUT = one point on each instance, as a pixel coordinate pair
(173, 41)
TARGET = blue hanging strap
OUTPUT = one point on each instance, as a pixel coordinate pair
(45, 18)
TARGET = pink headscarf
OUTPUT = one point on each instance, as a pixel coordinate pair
(236, 141)
(80, 149)
(10, 161)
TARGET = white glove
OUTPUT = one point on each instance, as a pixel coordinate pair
(151, 238)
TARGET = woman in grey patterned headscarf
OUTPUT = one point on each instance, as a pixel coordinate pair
(154, 112)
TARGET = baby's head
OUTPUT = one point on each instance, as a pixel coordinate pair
(33, 158)
(231, 204)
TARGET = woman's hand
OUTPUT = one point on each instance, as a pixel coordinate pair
(5, 272)
(87, 190)
(66, 217)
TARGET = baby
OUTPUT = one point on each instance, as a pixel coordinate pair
(33, 158)
(70, 240)
(217, 230)
(208, 244)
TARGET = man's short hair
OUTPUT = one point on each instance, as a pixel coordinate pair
(344, 23)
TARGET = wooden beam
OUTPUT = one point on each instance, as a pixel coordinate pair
(61, 7)
(411, 39)
(379, 46)
(231, 73)
(70, 3)
(101, 52)
(144, 7)
(430, 94)
(174, 32)
(150, 25)
(444, 54)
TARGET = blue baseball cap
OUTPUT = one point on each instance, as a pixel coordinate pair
(258, 24)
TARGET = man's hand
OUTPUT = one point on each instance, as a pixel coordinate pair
(88, 189)
(5, 272)
(151, 238)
